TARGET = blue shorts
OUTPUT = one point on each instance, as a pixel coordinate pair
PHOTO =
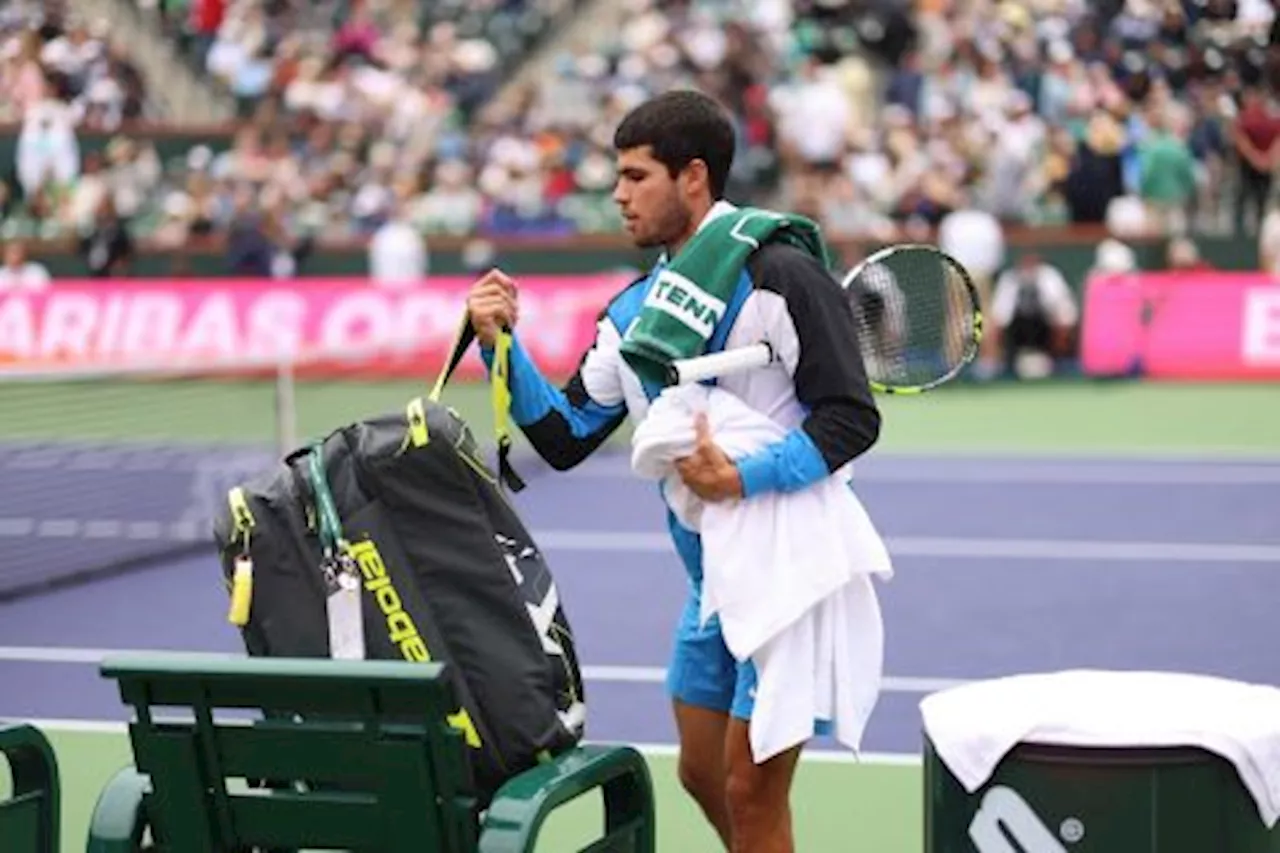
(702, 670)
(704, 673)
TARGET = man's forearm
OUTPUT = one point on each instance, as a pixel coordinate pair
(564, 425)
(826, 441)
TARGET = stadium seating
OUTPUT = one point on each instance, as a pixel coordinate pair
(364, 777)
(1048, 113)
(252, 46)
(1045, 112)
(52, 55)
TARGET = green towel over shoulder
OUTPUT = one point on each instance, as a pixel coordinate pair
(689, 295)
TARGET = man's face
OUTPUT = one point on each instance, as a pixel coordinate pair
(652, 203)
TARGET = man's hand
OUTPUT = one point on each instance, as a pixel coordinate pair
(492, 303)
(708, 471)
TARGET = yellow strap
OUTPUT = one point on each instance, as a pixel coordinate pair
(240, 514)
(462, 722)
(416, 415)
(500, 387)
(242, 575)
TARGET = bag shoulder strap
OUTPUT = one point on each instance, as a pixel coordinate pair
(500, 388)
(462, 339)
(500, 397)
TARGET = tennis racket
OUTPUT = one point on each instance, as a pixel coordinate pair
(919, 323)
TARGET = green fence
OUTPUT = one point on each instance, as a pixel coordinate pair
(1070, 254)
(170, 143)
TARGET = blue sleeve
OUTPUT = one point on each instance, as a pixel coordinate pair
(787, 465)
(842, 420)
(563, 424)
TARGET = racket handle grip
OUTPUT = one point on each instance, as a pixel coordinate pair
(683, 371)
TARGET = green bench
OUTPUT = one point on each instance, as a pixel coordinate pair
(372, 781)
(29, 817)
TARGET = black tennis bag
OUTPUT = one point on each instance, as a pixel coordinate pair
(399, 517)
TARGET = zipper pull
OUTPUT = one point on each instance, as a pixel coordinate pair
(241, 591)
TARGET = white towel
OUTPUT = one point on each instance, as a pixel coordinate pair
(788, 574)
(974, 725)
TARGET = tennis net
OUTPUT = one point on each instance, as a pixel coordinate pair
(106, 470)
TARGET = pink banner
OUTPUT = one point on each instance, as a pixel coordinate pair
(1205, 325)
(323, 326)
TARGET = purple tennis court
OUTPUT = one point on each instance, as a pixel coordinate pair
(1004, 565)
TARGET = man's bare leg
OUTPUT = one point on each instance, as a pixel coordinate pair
(702, 762)
(759, 795)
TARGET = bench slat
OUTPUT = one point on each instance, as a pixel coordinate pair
(321, 819)
(288, 693)
(239, 668)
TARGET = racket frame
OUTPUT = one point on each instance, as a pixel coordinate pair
(974, 307)
(762, 354)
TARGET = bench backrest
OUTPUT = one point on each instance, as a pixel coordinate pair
(29, 816)
(381, 767)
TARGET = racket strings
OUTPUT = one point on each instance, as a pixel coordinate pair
(915, 318)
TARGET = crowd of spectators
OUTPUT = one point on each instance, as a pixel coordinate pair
(357, 110)
(61, 75)
(383, 115)
(55, 61)
(1148, 115)
(1145, 114)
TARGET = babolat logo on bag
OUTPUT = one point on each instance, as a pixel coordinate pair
(401, 629)
(676, 295)
(1006, 823)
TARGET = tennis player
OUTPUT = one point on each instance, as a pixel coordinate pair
(674, 153)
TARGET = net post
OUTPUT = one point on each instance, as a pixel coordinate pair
(286, 406)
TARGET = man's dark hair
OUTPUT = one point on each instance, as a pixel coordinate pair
(682, 126)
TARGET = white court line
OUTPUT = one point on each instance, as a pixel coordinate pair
(656, 750)
(102, 529)
(614, 674)
(908, 546)
(657, 675)
(821, 756)
(635, 542)
(915, 470)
